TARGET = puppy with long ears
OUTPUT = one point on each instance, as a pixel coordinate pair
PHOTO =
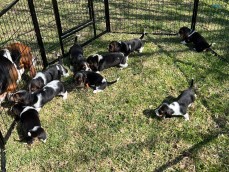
(91, 79)
(200, 44)
(39, 98)
(28, 117)
(21, 55)
(127, 47)
(8, 77)
(77, 60)
(180, 106)
(100, 62)
(54, 72)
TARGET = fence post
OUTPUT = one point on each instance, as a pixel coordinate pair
(107, 15)
(194, 14)
(38, 33)
(58, 24)
(3, 154)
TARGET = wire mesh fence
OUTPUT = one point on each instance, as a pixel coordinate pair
(92, 18)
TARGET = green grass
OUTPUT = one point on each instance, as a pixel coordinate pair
(116, 130)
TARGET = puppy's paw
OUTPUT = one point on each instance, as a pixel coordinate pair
(97, 91)
(186, 116)
(65, 95)
(183, 42)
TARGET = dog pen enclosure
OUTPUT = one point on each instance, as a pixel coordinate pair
(49, 27)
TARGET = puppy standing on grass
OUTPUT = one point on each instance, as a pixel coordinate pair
(30, 123)
(127, 47)
(200, 44)
(91, 79)
(100, 62)
(54, 72)
(39, 98)
(180, 106)
(76, 58)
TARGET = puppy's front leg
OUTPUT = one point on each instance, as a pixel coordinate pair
(183, 42)
(186, 116)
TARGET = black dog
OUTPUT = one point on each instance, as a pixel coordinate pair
(100, 62)
(91, 79)
(54, 72)
(77, 60)
(30, 123)
(39, 98)
(178, 107)
(127, 47)
(200, 44)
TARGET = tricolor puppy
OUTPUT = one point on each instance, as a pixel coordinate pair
(76, 58)
(91, 79)
(200, 44)
(100, 62)
(39, 98)
(22, 56)
(54, 72)
(30, 123)
(9, 77)
(127, 47)
(178, 107)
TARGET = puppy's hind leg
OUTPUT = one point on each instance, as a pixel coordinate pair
(101, 87)
(186, 116)
(64, 94)
(141, 49)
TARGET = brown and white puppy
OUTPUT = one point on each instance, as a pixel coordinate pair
(100, 62)
(28, 117)
(54, 72)
(9, 77)
(178, 107)
(91, 79)
(77, 60)
(127, 47)
(39, 98)
(22, 56)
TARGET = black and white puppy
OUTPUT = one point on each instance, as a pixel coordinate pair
(91, 79)
(39, 98)
(30, 123)
(200, 44)
(127, 47)
(76, 58)
(54, 72)
(178, 107)
(100, 62)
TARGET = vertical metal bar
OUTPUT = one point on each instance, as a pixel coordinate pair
(58, 24)
(3, 154)
(194, 15)
(38, 33)
(107, 15)
(91, 7)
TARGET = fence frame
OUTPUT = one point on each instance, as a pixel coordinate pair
(62, 36)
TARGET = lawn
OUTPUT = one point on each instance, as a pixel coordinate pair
(117, 130)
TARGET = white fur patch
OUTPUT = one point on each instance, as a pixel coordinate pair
(183, 42)
(97, 91)
(104, 80)
(141, 49)
(53, 84)
(40, 74)
(123, 65)
(100, 57)
(37, 105)
(176, 108)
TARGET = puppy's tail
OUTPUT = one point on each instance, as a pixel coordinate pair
(112, 82)
(76, 39)
(143, 34)
(216, 54)
(191, 84)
